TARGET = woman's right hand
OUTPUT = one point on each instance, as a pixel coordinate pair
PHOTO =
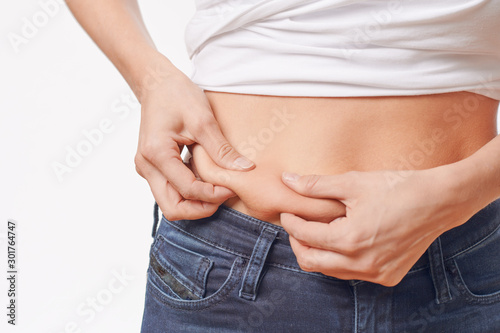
(175, 112)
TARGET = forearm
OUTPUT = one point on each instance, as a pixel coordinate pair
(116, 26)
(474, 181)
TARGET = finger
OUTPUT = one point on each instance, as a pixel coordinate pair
(192, 165)
(366, 268)
(208, 170)
(169, 163)
(327, 236)
(189, 163)
(330, 263)
(213, 174)
(338, 187)
(313, 209)
(181, 208)
(220, 150)
(172, 205)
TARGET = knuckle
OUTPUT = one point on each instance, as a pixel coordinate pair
(389, 283)
(351, 245)
(391, 274)
(195, 191)
(141, 166)
(166, 211)
(297, 233)
(350, 249)
(138, 170)
(202, 122)
(149, 149)
(388, 280)
(367, 267)
(310, 183)
(305, 263)
(186, 193)
(210, 210)
(137, 159)
(224, 150)
(171, 212)
(169, 216)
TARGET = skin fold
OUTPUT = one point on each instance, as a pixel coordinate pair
(384, 176)
(327, 136)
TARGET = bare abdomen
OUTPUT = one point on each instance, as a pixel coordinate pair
(309, 135)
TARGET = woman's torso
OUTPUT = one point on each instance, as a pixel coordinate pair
(311, 135)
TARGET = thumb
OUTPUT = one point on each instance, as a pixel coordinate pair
(338, 187)
(220, 150)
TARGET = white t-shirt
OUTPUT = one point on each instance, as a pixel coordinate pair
(346, 47)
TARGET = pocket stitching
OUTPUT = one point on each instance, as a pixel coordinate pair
(471, 247)
(170, 291)
(202, 272)
(194, 289)
(462, 286)
(160, 275)
(208, 242)
(222, 293)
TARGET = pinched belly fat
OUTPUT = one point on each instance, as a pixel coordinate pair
(335, 135)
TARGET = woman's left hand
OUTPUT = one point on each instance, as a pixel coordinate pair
(391, 219)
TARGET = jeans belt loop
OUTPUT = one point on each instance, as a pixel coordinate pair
(438, 273)
(251, 278)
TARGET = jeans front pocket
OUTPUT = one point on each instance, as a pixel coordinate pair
(186, 273)
(183, 271)
(477, 271)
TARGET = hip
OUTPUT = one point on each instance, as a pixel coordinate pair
(233, 273)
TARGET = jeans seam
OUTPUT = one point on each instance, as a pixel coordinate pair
(438, 273)
(355, 314)
(206, 241)
(205, 303)
(469, 295)
(202, 271)
(178, 276)
(157, 277)
(243, 255)
(298, 270)
(470, 247)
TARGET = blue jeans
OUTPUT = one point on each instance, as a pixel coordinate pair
(234, 273)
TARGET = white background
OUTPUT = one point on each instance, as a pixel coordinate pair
(77, 233)
(74, 235)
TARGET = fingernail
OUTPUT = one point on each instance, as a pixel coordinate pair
(243, 163)
(290, 177)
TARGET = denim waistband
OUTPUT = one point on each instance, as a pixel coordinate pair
(230, 230)
(464, 237)
(235, 232)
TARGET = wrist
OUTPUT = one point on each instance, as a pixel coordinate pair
(147, 72)
(463, 188)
